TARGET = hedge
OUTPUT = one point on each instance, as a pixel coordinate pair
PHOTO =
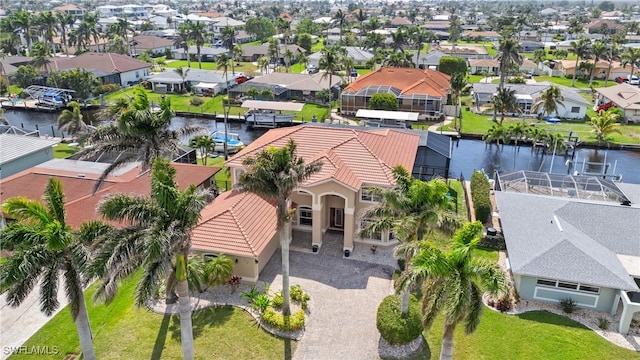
(394, 327)
(276, 319)
(480, 190)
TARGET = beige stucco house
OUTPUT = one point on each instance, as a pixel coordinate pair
(354, 161)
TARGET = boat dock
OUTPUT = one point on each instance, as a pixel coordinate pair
(34, 106)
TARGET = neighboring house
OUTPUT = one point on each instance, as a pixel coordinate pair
(359, 56)
(492, 66)
(481, 35)
(288, 86)
(598, 25)
(467, 51)
(78, 179)
(252, 53)
(207, 53)
(354, 162)
(109, 67)
(154, 44)
(21, 152)
(10, 64)
(72, 9)
(422, 91)
(437, 25)
(625, 97)
(202, 81)
(573, 106)
(399, 22)
(531, 46)
(242, 37)
(219, 23)
(572, 237)
(430, 60)
(567, 67)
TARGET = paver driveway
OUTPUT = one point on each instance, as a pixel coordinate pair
(345, 296)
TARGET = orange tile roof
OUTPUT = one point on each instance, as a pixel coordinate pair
(350, 156)
(80, 203)
(236, 223)
(408, 80)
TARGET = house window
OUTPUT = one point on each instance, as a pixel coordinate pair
(568, 285)
(368, 194)
(209, 257)
(374, 236)
(305, 216)
(575, 109)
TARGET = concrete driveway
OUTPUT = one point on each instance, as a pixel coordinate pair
(345, 295)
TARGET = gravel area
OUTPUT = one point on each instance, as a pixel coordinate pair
(388, 351)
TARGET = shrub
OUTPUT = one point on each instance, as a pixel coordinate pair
(250, 295)
(383, 102)
(480, 190)
(277, 301)
(603, 323)
(568, 305)
(452, 64)
(277, 320)
(503, 304)
(105, 88)
(493, 242)
(395, 328)
(196, 101)
(516, 80)
(261, 303)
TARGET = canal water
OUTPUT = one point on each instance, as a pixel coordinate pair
(468, 155)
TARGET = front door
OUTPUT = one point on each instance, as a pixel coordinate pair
(336, 218)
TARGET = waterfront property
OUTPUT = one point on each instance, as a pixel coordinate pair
(423, 91)
(573, 237)
(624, 96)
(202, 81)
(287, 86)
(110, 68)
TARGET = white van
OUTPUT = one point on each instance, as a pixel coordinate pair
(633, 80)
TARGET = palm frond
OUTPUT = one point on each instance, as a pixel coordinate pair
(474, 309)
(49, 287)
(73, 285)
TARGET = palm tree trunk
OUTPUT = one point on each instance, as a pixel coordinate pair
(284, 245)
(446, 351)
(593, 72)
(170, 295)
(575, 71)
(186, 327)
(84, 330)
(606, 79)
(330, 92)
(199, 58)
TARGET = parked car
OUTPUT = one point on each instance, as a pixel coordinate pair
(354, 73)
(621, 79)
(312, 69)
(218, 43)
(633, 80)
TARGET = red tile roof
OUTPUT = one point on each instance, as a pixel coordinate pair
(407, 80)
(151, 42)
(349, 156)
(80, 203)
(107, 62)
(236, 223)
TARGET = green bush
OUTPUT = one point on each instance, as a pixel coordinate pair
(277, 301)
(275, 319)
(395, 328)
(480, 195)
(196, 101)
(568, 305)
(105, 88)
(493, 242)
(383, 102)
(452, 64)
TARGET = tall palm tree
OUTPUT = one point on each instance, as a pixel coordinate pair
(612, 55)
(198, 34)
(91, 31)
(508, 56)
(399, 40)
(581, 49)
(410, 209)
(457, 82)
(48, 26)
(504, 102)
(183, 72)
(549, 100)
(139, 134)
(157, 237)
(182, 41)
(330, 62)
(373, 41)
(65, 21)
(604, 124)
(263, 64)
(361, 16)
(419, 37)
(630, 56)
(45, 248)
(340, 18)
(452, 284)
(539, 56)
(72, 121)
(229, 42)
(25, 22)
(274, 174)
(205, 144)
(598, 52)
(497, 134)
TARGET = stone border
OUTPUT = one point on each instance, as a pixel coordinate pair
(398, 352)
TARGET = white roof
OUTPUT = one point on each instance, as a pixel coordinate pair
(388, 115)
(205, 85)
(16, 146)
(272, 105)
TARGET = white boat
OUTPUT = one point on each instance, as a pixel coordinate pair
(233, 141)
(266, 118)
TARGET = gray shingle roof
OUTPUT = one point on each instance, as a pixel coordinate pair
(528, 89)
(13, 147)
(568, 239)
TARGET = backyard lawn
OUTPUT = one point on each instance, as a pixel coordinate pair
(63, 150)
(533, 335)
(244, 67)
(122, 331)
(580, 83)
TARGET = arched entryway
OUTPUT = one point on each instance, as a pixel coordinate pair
(333, 214)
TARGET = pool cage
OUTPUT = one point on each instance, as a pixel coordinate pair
(427, 106)
(572, 186)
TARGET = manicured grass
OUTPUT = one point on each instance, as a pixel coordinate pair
(63, 150)
(318, 46)
(462, 207)
(244, 67)
(473, 79)
(580, 83)
(533, 335)
(223, 177)
(122, 331)
(363, 71)
(15, 89)
(297, 68)
(321, 112)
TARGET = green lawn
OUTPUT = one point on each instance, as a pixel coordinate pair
(244, 67)
(580, 83)
(462, 207)
(473, 79)
(122, 331)
(318, 46)
(223, 177)
(363, 71)
(533, 335)
(63, 150)
(297, 68)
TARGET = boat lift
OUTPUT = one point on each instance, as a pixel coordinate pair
(48, 96)
(263, 113)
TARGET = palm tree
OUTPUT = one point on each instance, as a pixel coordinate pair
(340, 18)
(504, 102)
(228, 42)
(598, 52)
(418, 37)
(630, 56)
(45, 248)
(612, 54)
(157, 237)
(198, 34)
(252, 92)
(48, 24)
(604, 124)
(508, 56)
(24, 21)
(399, 40)
(72, 121)
(536, 135)
(581, 49)
(549, 100)
(182, 41)
(263, 64)
(183, 72)
(65, 21)
(275, 173)
(497, 134)
(90, 25)
(139, 134)
(539, 56)
(410, 210)
(330, 62)
(457, 82)
(205, 144)
(374, 24)
(288, 55)
(236, 53)
(452, 284)
(373, 41)
(361, 16)
(223, 63)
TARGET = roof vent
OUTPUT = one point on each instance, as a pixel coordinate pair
(82, 175)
